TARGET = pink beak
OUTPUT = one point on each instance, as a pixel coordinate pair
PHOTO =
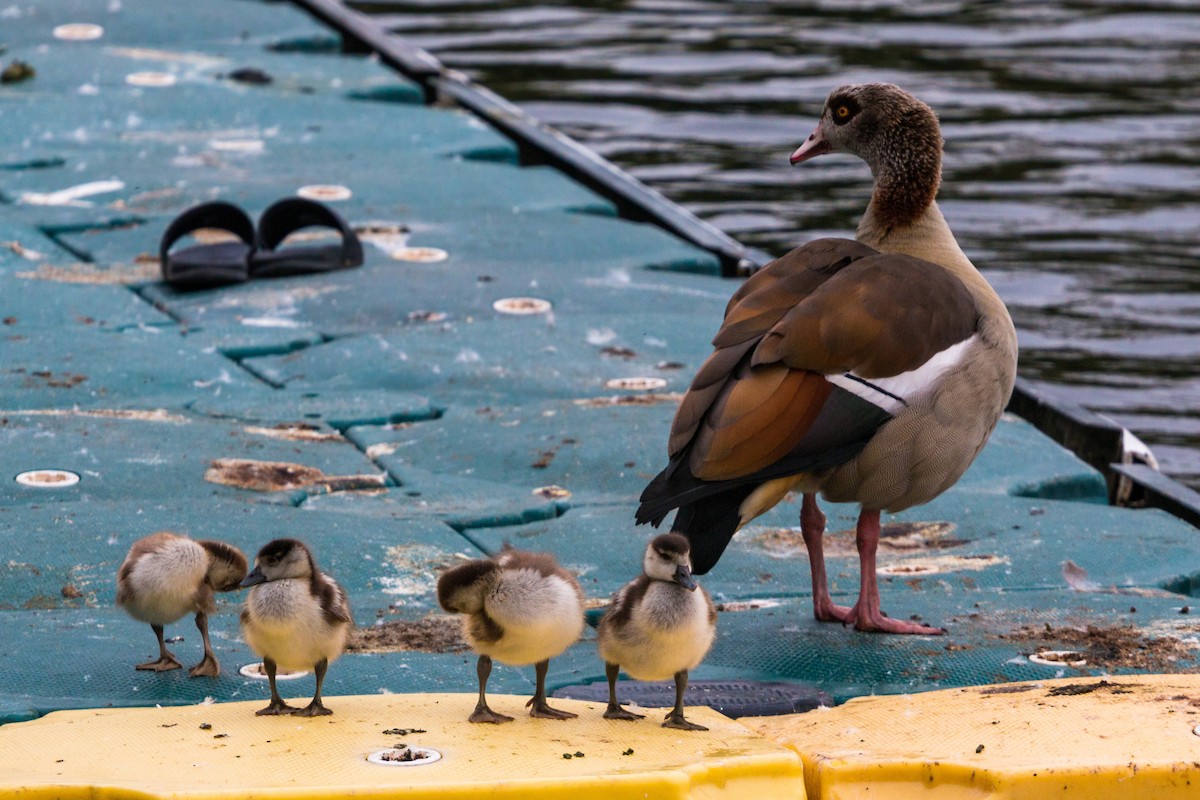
(813, 146)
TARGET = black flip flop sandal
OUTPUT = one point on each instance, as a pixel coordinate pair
(204, 266)
(288, 216)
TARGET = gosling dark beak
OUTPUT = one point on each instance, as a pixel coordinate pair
(255, 577)
(815, 145)
(683, 576)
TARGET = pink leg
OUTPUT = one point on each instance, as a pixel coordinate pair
(866, 612)
(812, 527)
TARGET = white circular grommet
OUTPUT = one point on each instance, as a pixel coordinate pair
(1059, 658)
(259, 673)
(636, 384)
(404, 757)
(78, 32)
(521, 305)
(552, 492)
(47, 478)
(327, 192)
(156, 80)
(425, 255)
(237, 145)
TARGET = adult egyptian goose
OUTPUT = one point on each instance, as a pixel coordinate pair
(871, 371)
(520, 608)
(659, 625)
(166, 575)
(296, 617)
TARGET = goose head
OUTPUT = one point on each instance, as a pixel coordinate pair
(896, 134)
(667, 559)
(279, 559)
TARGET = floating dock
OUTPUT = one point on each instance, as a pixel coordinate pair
(503, 367)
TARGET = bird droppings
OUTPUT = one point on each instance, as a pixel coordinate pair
(275, 476)
(940, 564)
(137, 272)
(261, 476)
(420, 255)
(152, 80)
(1118, 647)
(206, 726)
(896, 537)
(416, 568)
(636, 384)
(426, 635)
(403, 731)
(552, 492)
(648, 399)
(296, 432)
(618, 352)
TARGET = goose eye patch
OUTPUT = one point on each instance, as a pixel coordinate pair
(844, 111)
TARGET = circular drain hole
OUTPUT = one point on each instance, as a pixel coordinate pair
(552, 492)
(521, 305)
(327, 192)
(78, 32)
(425, 255)
(47, 478)
(636, 384)
(259, 672)
(156, 80)
(404, 757)
(1059, 658)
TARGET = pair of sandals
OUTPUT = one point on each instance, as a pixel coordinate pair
(256, 254)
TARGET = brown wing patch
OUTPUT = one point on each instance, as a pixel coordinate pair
(332, 599)
(621, 609)
(768, 294)
(760, 417)
(880, 316)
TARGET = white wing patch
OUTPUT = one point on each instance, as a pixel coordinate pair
(893, 394)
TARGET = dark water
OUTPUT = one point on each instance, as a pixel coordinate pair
(1072, 172)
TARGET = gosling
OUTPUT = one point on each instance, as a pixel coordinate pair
(166, 575)
(521, 608)
(296, 617)
(658, 626)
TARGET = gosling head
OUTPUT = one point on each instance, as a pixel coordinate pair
(667, 559)
(461, 589)
(279, 559)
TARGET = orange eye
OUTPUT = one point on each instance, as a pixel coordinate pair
(842, 112)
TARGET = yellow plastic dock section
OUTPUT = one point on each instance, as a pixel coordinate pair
(224, 751)
(1131, 736)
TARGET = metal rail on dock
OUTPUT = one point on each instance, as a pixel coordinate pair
(1095, 439)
